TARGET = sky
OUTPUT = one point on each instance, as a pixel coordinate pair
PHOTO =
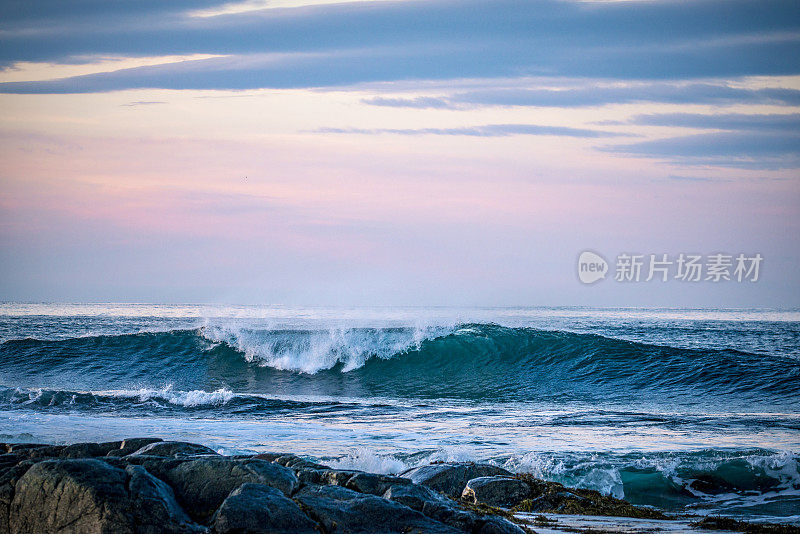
(396, 152)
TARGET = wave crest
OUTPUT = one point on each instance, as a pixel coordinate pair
(311, 351)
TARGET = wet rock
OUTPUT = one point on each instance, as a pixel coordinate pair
(88, 495)
(290, 460)
(444, 510)
(340, 510)
(271, 456)
(496, 491)
(176, 449)
(257, 509)
(374, 484)
(154, 506)
(131, 445)
(8, 480)
(82, 495)
(88, 450)
(329, 477)
(451, 478)
(9, 460)
(310, 476)
(201, 485)
(156, 465)
(34, 450)
(498, 525)
(17, 447)
(412, 495)
(554, 497)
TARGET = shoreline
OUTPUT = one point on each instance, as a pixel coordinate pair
(150, 485)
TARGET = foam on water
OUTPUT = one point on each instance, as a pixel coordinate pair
(316, 350)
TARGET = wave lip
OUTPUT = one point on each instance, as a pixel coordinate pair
(187, 399)
(311, 351)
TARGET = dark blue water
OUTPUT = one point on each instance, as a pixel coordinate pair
(682, 409)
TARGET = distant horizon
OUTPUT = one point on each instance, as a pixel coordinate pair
(398, 306)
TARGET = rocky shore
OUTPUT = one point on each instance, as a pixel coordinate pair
(147, 485)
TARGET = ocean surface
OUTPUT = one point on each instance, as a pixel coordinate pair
(687, 410)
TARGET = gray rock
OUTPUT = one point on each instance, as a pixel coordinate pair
(157, 465)
(310, 476)
(451, 478)
(340, 510)
(337, 477)
(8, 480)
(413, 495)
(201, 485)
(88, 495)
(556, 501)
(88, 450)
(175, 449)
(271, 456)
(329, 477)
(131, 445)
(259, 509)
(496, 491)
(153, 505)
(446, 511)
(34, 451)
(17, 447)
(9, 460)
(79, 495)
(290, 460)
(497, 525)
(374, 484)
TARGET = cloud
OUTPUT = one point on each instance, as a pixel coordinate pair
(143, 103)
(351, 43)
(789, 122)
(420, 102)
(596, 94)
(489, 130)
(777, 150)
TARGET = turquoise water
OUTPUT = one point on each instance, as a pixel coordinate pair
(695, 410)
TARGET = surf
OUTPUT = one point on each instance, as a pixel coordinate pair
(470, 361)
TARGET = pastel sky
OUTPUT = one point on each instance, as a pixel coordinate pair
(395, 152)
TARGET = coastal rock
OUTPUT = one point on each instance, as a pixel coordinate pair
(291, 461)
(89, 450)
(329, 477)
(259, 509)
(201, 485)
(451, 478)
(497, 525)
(88, 495)
(8, 480)
(19, 447)
(9, 460)
(340, 510)
(34, 451)
(374, 484)
(496, 491)
(176, 449)
(554, 497)
(444, 510)
(131, 445)
(82, 495)
(153, 504)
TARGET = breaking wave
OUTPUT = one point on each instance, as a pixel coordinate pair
(473, 361)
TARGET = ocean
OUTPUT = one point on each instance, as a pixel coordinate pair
(693, 411)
